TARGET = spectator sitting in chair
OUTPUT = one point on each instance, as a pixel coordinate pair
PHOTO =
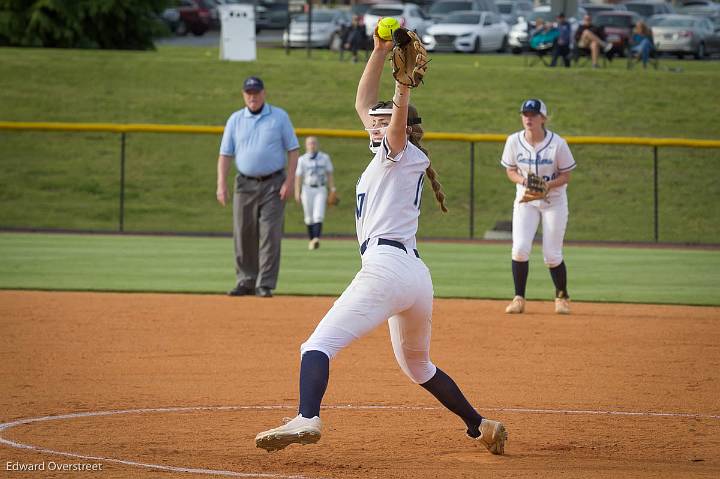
(562, 44)
(543, 36)
(355, 38)
(641, 43)
(591, 37)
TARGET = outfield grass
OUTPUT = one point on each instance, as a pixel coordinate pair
(60, 180)
(204, 265)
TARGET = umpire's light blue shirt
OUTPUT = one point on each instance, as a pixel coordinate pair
(259, 142)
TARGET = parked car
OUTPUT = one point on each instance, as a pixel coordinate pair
(409, 15)
(442, 8)
(656, 18)
(618, 27)
(189, 16)
(271, 15)
(326, 29)
(593, 9)
(468, 31)
(511, 10)
(648, 8)
(703, 8)
(686, 34)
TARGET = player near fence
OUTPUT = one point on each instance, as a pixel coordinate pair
(393, 284)
(313, 180)
(539, 162)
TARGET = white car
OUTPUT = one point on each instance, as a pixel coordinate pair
(408, 14)
(468, 31)
(326, 29)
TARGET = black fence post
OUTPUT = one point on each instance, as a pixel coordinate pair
(121, 225)
(472, 190)
(287, 29)
(309, 28)
(656, 205)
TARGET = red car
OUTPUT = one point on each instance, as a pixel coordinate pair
(189, 16)
(618, 26)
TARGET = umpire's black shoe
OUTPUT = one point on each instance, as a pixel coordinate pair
(263, 292)
(240, 290)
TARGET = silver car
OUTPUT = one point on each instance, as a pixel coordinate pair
(511, 10)
(326, 29)
(702, 8)
(686, 35)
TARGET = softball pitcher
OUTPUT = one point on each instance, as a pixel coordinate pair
(537, 155)
(313, 177)
(393, 284)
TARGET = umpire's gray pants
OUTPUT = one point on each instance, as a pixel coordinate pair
(258, 214)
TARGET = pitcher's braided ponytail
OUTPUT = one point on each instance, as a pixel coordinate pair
(416, 135)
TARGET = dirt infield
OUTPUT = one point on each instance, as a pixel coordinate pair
(185, 382)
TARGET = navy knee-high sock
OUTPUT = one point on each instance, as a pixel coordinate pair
(311, 230)
(315, 229)
(520, 271)
(314, 374)
(448, 393)
(559, 277)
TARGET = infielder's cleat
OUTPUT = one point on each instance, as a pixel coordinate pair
(562, 306)
(240, 290)
(263, 292)
(517, 305)
(300, 430)
(493, 436)
(314, 244)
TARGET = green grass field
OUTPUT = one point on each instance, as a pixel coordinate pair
(62, 180)
(204, 265)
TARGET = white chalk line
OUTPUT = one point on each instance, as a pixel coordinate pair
(216, 472)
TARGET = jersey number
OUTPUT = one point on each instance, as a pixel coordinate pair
(359, 205)
(418, 196)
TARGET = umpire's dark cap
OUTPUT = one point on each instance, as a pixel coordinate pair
(534, 105)
(253, 84)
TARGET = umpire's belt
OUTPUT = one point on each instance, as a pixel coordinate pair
(387, 242)
(263, 178)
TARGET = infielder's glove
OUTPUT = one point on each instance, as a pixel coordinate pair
(333, 199)
(536, 188)
(409, 58)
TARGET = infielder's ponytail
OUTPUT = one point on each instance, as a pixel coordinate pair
(416, 135)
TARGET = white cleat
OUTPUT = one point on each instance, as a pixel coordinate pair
(493, 436)
(300, 430)
(517, 305)
(314, 244)
(562, 305)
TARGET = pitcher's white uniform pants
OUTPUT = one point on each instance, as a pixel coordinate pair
(392, 286)
(527, 216)
(314, 199)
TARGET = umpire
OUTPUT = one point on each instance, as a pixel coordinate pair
(260, 139)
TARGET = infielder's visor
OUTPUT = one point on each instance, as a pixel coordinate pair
(535, 106)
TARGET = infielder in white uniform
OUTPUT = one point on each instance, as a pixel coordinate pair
(313, 177)
(546, 154)
(393, 285)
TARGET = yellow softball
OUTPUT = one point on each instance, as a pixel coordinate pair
(386, 27)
